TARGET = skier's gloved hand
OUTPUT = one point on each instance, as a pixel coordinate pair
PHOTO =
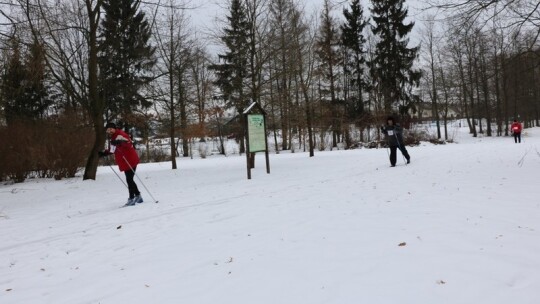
(103, 153)
(382, 129)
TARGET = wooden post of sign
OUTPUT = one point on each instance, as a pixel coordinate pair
(255, 133)
(248, 161)
(266, 149)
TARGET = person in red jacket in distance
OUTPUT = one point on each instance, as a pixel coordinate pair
(126, 158)
(516, 131)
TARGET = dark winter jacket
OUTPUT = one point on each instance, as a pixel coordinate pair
(123, 150)
(394, 135)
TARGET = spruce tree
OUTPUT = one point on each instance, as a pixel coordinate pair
(232, 70)
(126, 57)
(12, 84)
(392, 67)
(37, 91)
(352, 36)
(24, 93)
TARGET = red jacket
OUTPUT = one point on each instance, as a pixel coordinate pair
(123, 150)
(516, 127)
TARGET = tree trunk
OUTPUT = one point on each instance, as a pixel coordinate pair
(96, 103)
(171, 106)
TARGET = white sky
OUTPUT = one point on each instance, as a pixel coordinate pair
(204, 17)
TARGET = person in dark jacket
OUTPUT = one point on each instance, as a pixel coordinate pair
(394, 136)
(126, 158)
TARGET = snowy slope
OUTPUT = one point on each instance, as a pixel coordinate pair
(326, 229)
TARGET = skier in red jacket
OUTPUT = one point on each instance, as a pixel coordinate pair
(126, 158)
(516, 131)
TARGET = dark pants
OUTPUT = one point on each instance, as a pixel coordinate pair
(133, 190)
(517, 137)
(393, 150)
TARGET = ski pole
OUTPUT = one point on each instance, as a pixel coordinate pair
(399, 146)
(387, 145)
(135, 173)
(118, 176)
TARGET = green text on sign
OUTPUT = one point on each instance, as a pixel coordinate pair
(256, 135)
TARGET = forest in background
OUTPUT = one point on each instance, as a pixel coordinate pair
(70, 66)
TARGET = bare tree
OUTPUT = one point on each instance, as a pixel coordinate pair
(304, 50)
(447, 76)
(201, 77)
(330, 59)
(68, 31)
(520, 15)
(281, 66)
(172, 34)
(430, 40)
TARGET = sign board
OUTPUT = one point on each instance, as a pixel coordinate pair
(256, 133)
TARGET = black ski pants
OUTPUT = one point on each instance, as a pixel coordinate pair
(393, 150)
(132, 187)
(517, 137)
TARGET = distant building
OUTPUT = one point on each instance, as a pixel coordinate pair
(424, 111)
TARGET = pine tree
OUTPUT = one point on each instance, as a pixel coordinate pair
(233, 69)
(392, 67)
(126, 57)
(352, 36)
(37, 91)
(12, 84)
(24, 93)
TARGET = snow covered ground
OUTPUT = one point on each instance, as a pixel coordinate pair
(460, 224)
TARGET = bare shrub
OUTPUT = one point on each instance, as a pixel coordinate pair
(158, 155)
(55, 148)
(16, 160)
(202, 149)
(413, 137)
(66, 146)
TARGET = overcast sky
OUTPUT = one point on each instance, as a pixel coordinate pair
(205, 16)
